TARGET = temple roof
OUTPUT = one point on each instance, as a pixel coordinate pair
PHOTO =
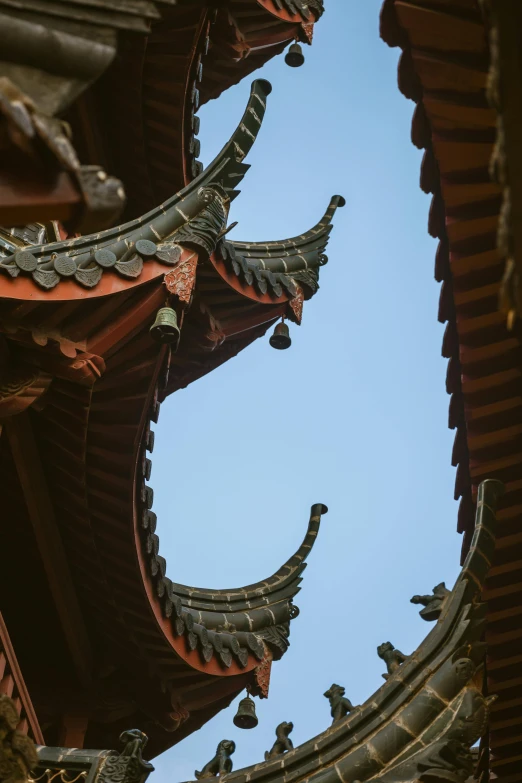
(85, 259)
(430, 711)
(445, 68)
(193, 53)
(232, 623)
(284, 263)
(86, 381)
(99, 64)
(421, 725)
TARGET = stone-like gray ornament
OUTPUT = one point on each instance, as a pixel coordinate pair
(65, 266)
(339, 704)
(283, 742)
(221, 763)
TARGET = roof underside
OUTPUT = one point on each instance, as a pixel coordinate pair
(444, 70)
(192, 54)
(76, 316)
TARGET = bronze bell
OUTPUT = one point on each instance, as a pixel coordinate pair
(245, 717)
(294, 56)
(165, 328)
(281, 337)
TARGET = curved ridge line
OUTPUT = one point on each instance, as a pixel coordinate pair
(288, 572)
(330, 747)
(227, 165)
(322, 227)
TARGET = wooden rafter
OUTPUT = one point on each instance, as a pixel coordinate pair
(40, 508)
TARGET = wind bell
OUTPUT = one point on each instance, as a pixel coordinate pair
(294, 56)
(165, 328)
(245, 717)
(280, 339)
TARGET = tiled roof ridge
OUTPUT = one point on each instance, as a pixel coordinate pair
(125, 247)
(430, 706)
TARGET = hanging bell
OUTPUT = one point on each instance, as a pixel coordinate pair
(281, 337)
(165, 328)
(245, 717)
(294, 56)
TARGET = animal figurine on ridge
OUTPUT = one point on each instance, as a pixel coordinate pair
(283, 743)
(220, 764)
(392, 658)
(432, 603)
(340, 705)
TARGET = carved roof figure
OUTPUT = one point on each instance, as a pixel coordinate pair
(422, 723)
(418, 726)
(432, 603)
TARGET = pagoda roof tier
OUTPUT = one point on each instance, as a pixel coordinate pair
(444, 68)
(422, 723)
(284, 584)
(192, 54)
(286, 263)
(129, 78)
(85, 380)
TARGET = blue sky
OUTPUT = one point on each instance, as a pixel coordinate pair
(354, 415)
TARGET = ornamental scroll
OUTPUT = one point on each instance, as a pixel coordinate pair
(262, 677)
(296, 305)
(181, 280)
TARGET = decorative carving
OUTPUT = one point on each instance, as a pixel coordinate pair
(20, 387)
(129, 766)
(181, 280)
(276, 636)
(204, 230)
(17, 751)
(309, 277)
(283, 742)
(340, 705)
(392, 658)
(307, 32)
(421, 727)
(432, 603)
(296, 304)
(449, 759)
(169, 253)
(221, 764)
(179, 714)
(262, 677)
(197, 214)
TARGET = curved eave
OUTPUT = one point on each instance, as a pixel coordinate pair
(158, 226)
(215, 631)
(423, 706)
(262, 593)
(277, 268)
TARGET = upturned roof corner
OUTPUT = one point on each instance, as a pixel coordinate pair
(286, 263)
(236, 623)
